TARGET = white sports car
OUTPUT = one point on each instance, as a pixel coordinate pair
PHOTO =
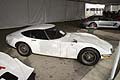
(13, 69)
(46, 39)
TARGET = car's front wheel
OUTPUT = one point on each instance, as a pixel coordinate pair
(23, 49)
(89, 56)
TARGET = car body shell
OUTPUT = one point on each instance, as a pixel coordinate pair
(102, 22)
(14, 67)
(67, 46)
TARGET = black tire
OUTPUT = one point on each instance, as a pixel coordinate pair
(119, 28)
(23, 49)
(93, 25)
(89, 56)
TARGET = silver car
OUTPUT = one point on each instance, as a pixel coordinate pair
(97, 21)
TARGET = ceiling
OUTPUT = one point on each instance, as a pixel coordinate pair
(100, 1)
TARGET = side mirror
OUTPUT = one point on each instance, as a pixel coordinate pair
(74, 40)
(62, 32)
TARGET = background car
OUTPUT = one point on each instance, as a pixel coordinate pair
(97, 21)
(13, 69)
(47, 39)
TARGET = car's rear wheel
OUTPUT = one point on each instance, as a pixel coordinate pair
(89, 56)
(23, 49)
(119, 27)
(93, 25)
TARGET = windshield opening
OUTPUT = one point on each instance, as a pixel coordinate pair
(54, 33)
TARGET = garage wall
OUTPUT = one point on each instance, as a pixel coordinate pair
(75, 10)
(55, 10)
(17, 13)
(13, 13)
(36, 10)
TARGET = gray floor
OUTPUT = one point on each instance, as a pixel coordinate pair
(51, 68)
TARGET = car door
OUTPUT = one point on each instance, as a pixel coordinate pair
(68, 49)
(106, 22)
(49, 46)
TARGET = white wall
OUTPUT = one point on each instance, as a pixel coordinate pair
(16, 13)
(98, 9)
(112, 7)
(115, 7)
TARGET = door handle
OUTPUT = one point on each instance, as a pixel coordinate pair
(33, 40)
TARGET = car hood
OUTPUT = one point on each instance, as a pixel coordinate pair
(88, 38)
(14, 67)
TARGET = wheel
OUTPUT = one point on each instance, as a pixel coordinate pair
(93, 25)
(89, 56)
(23, 49)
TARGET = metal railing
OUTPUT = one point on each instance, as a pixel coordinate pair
(116, 62)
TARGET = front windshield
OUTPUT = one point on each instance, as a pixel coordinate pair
(54, 33)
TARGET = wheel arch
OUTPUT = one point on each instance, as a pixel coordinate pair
(92, 23)
(30, 50)
(90, 48)
(17, 43)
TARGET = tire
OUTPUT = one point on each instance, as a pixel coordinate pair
(93, 25)
(89, 56)
(119, 28)
(23, 49)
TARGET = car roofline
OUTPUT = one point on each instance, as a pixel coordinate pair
(39, 26)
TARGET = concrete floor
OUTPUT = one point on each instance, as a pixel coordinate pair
(51, 68)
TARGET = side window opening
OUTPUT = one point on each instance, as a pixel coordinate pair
(54, 33)
(26, 33)
(103, 18)
(37, 34)
(96, 18)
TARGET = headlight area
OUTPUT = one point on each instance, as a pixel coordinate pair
(106, 56)
(112, 50)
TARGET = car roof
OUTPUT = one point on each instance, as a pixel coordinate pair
(95, 16)
(39, 26)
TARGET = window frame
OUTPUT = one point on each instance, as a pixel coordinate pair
(31, 34)
(47, 34)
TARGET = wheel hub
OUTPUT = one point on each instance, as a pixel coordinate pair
(24, 49)
(89, 57)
